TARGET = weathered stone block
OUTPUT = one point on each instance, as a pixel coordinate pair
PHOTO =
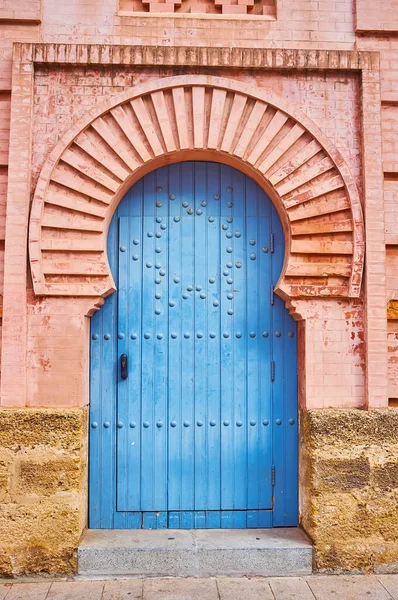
(45, 477)
(41, 537)
(341, 427)
(4, 477)
(349, 485)
(42, 452)
(356, 555)
(28, 428)
(385, 476)
(342, 473)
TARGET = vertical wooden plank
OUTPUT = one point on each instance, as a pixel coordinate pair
(173, 520)
(154, 520)
(174, 346)
(278, 424)
(186, 423)
(152, 283)
(120, 519)
(160, 272)
(95, 430)
(124, 461)
(265, 518)
(212, 433)
(291, 420)
(239, 519)
(129, 280)
(133, 520)
(102, 405)
(278, 421)
(259, 519)
(265, 367)
(264, 258)
(149, 520)
(108, 391)
(161, 520)
(201, 347)
(187, 520)
(237, 307)
(213, 519)
(132, 420)
(285, 398)
(253, 424)
(252, 519)
(227, 359)
(227, 519)
(199, 519)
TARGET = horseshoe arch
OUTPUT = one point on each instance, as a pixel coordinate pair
(196, 117)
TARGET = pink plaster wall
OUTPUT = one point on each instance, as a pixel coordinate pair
(57, 351)
(334, 365)
(334, 331)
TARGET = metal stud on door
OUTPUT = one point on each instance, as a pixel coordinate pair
(204, 425)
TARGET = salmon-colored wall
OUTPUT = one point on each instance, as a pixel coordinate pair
(336, 369)
(334, 366)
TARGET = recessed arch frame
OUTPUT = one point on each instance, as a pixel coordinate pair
(196, 117)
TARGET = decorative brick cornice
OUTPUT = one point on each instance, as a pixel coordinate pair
(188, 56)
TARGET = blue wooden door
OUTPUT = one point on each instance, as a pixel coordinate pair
(200, 430)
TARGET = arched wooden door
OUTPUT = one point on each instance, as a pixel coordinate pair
(193, 417)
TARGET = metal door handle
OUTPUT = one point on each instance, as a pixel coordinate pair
(123, 366)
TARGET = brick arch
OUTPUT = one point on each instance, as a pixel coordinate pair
(193, 117)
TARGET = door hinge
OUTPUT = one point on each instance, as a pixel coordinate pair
(272, 243)
(272, 295)
(273, 475)
(272, 370)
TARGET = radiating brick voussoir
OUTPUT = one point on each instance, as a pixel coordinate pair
(98, 159)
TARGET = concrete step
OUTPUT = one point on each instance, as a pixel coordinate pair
(195, 553)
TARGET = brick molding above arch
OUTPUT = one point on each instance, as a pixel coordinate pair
(192, 117)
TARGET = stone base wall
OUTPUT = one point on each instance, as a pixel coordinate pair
(43, 489)
(349, 488)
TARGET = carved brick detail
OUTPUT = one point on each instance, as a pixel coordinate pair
(196, 117)
(228, 7)
(161, 6)
(234, 7)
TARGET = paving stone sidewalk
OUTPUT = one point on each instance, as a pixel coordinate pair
(331, 587)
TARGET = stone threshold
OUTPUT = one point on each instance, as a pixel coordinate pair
(195, 553)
